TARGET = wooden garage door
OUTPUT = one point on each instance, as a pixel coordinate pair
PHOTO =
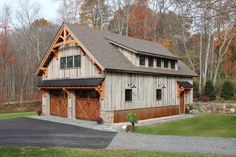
(87, 105)
(58, 103)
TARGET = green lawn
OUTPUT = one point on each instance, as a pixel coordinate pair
(16, 115)
(75, 152)
(200, 125)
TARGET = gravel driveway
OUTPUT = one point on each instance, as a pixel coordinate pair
(32, 132)
(202, 145)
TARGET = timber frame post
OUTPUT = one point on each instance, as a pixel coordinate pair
(68, 92)
(100, 90)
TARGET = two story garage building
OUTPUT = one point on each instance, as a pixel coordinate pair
(88, 74)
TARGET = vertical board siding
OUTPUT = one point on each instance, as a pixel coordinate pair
(87, 69)
(144, 95)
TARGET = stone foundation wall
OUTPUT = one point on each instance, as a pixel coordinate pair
(209, 107)
(108, 116)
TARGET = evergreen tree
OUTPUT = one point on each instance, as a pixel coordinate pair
(209, 90)
(227, 91)
(196, 93)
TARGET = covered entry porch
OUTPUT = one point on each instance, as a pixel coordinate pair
(72, 98)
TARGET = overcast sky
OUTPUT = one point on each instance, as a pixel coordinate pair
(48, 8)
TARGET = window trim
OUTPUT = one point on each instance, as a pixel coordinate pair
(152, 59)
(166, 60)
(140, 60)
(158, 98)
(65, 62)
(158, 59)
(74, 61)
(131, 99)
(171, 63)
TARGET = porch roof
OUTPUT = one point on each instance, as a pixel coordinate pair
(85, 82)
(185, 84)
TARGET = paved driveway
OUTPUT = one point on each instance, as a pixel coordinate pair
(32, 132)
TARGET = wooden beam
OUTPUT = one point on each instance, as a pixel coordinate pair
(68, 92)
(56, 53)
(98, 70)
(67, 42)
(45, 71)
(42, 92)
(100, 89)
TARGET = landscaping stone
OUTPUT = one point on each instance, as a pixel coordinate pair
(212, 107)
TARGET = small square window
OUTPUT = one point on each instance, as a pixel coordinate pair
(63, 62)
(128, 95)
(142, 60)
(150, 61)
(70, 62)
(172, 64)
(158, 94)
(166, 62)
(158, 62)
(77, 60)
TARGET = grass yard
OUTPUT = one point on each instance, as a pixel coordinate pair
(16, 115)
(75, 152)
(211, 125)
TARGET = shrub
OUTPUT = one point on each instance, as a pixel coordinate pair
(209, 90)
(227, 91)
(196, 93)
(132, 118)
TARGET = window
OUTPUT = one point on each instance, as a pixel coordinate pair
(142, 60)
(172, 64)
(158, 94)
(158, 62)
(165, 63)
(128, 95)
(150, 61)
(77, 61)
(70, 62)
(63, 62)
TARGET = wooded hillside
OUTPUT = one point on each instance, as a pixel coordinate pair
(202, 32)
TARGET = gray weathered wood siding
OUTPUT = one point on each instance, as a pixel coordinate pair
(144, 95)
(87, 69)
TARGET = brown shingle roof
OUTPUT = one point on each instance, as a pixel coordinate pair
(111, 59)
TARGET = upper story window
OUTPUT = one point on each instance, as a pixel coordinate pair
(172, 64)
(63, 62)
(150, 61)
(77, 61)
(142, 60)
(158, 62)
(158, 94)
(70, 62)
(166, 62)
(128, 95)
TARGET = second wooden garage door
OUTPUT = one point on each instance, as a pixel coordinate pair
(58, 103)
(87, 105)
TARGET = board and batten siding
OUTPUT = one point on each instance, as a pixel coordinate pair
(87, 69)
(144, 95)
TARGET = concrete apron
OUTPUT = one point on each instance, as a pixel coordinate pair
(113, 127)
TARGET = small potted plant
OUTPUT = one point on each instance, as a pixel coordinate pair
(132, 118)
(99, 120)
(39, 111)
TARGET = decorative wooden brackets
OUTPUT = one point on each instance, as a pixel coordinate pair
(56, 53)
(68, 92)
(100, 90)
(42, 92)
(45, 71)
(64, 39)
